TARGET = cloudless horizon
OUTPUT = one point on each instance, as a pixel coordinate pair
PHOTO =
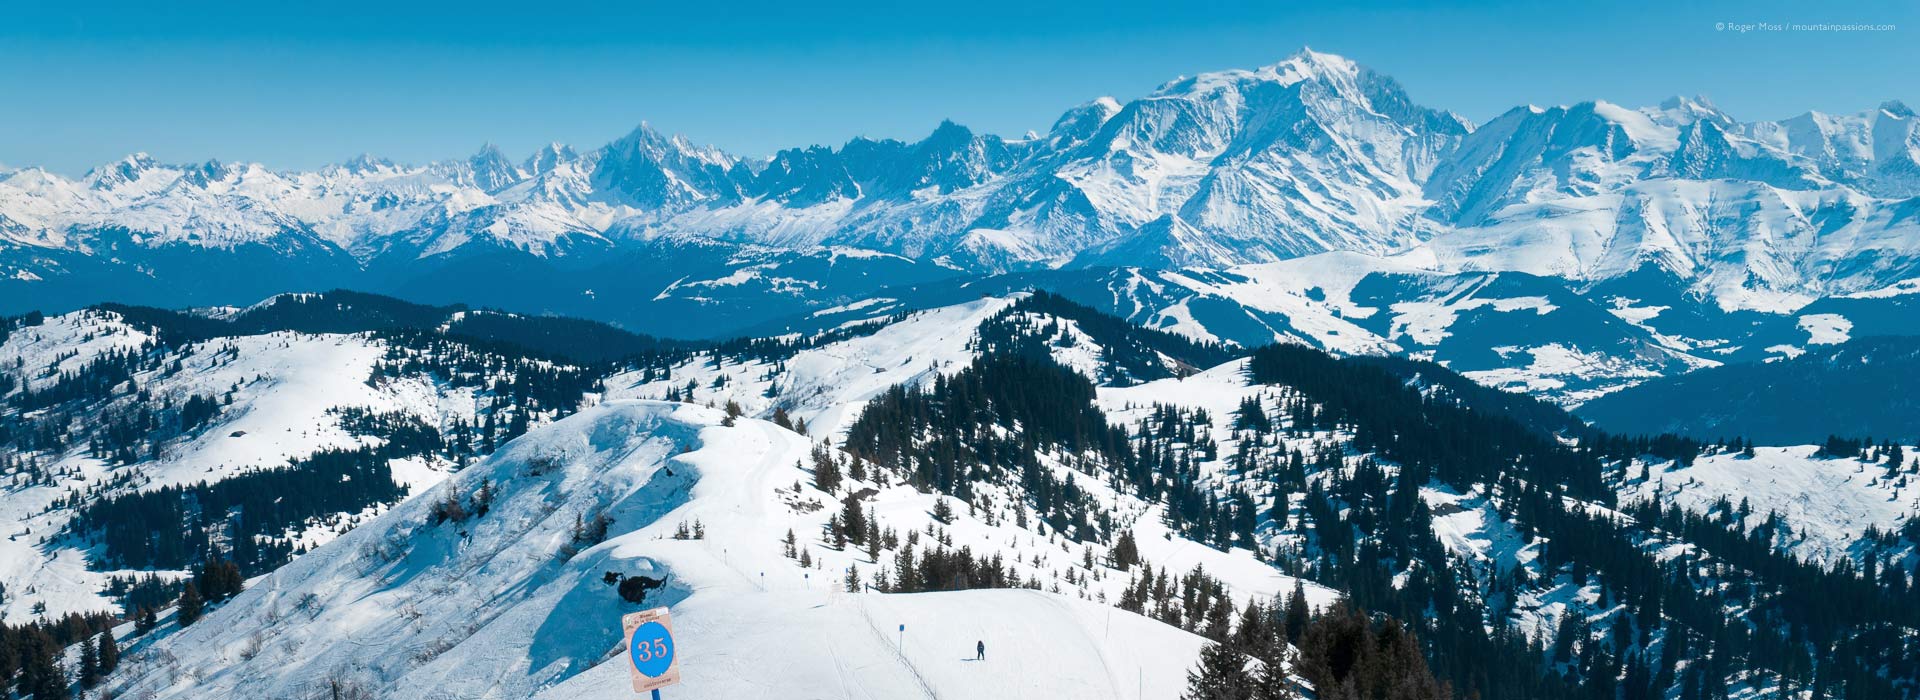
(298, 88)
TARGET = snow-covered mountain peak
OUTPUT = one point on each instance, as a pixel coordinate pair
(120, 171)
(489, 170)
(646, 138)
(1301, 66)
(1681, 111)
(1327, 86)
(368, 163)
(665, 174)
(1307, 64)
(1639, 126)
(549, 157)
(133, 176)
(1081, 122)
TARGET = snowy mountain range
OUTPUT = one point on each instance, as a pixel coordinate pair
(1312, 155)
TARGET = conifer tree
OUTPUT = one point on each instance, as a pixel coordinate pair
(826, 472)
(1273, 683)
(1126, 552)
(483, 498)
(41, 677)
(89, 664)
(109, 652)
(1297, 612)
(191, 605)
(1221, 675)
(1251, 633)
(853, 520)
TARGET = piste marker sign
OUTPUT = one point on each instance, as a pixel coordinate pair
(651, 656)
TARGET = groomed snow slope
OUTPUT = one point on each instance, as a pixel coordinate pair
(495, 607)
(1039, 645)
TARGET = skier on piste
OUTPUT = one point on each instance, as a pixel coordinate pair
(980, 650)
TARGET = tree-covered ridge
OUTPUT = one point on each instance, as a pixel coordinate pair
(337, 311)
(1341, 653)
(246, 518)
(1543, 416)
(1439, 438)
(991, 422)
(558, 338)
(345, 311)
(1730, 600)
(107, 405)
(513, 389)
(31, 654)
(97, 405)
(9, 324)
(1128, 354)
(943, 437)
(1327, 472)
(778, 348)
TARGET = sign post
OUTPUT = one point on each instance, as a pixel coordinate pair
(653, 661)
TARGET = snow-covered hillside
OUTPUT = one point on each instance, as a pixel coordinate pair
(280, 397)
(824, 386)
(1834, 511)
(1827, 502)
(407, 606)
(793, 486)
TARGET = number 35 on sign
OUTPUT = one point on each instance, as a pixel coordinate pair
(651, 655)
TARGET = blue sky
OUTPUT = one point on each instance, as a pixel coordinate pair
(300, 87)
